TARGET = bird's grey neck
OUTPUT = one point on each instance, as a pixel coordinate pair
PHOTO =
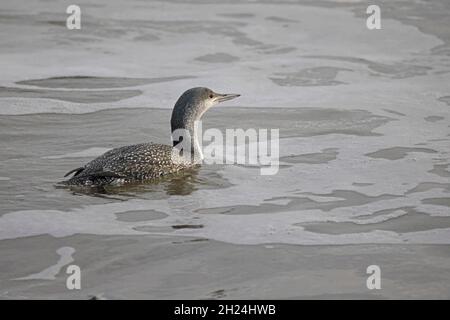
(184, 126)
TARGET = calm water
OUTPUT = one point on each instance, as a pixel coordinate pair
(364, 150)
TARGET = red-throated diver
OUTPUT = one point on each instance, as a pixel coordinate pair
(146, 161)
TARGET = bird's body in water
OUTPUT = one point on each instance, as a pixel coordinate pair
(148, 161)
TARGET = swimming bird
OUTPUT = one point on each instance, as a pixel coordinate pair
(147, 161)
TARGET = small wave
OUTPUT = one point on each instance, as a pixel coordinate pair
(91, 152)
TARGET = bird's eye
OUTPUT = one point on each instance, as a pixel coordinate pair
(211, 96)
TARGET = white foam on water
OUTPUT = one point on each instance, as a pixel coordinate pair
(251, 75)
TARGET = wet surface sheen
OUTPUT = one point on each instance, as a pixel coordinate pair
(363, 117)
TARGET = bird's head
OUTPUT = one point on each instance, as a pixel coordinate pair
(193, 103)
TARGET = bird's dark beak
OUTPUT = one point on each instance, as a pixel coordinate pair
(226, 97)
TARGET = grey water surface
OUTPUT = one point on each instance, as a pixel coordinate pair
(364, 164)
